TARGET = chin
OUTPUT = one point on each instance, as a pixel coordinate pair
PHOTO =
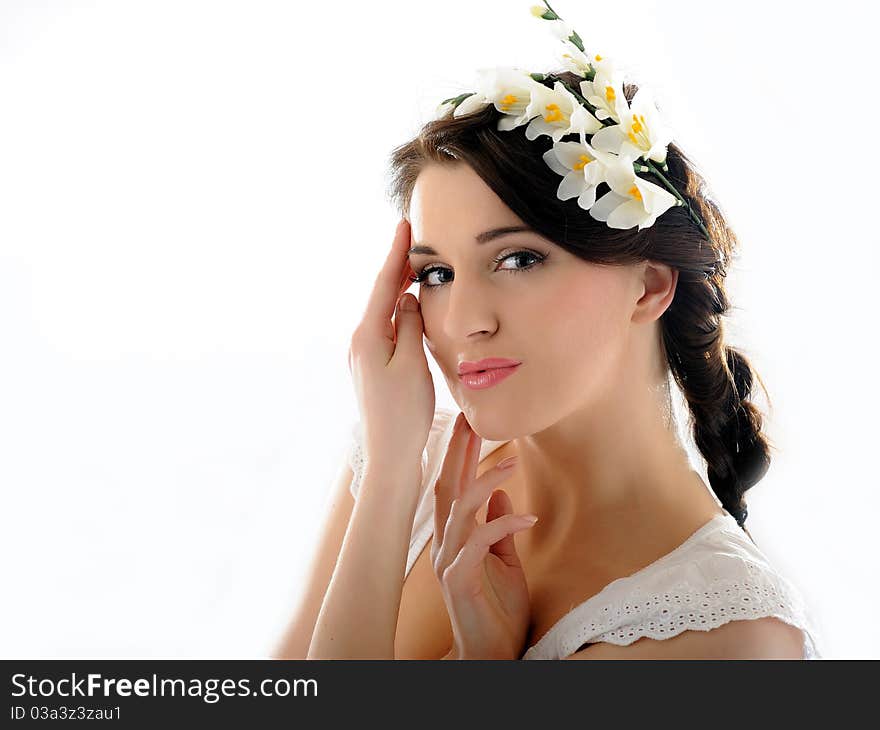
(490, 424)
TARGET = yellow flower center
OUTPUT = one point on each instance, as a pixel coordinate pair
(598, 57)
(555, 114)
(585, 160)
(636, 128)
(634, 191)
(610, 96)
(508, 101)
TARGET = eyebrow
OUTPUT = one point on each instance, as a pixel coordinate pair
(484, 237)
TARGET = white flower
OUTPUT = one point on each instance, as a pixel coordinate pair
(583, 169)
(558, 113)
(581, 63)
(470, 104)
(575, 60)
(631, 200)
(562, 30)
(467, 105)
(640, 132)
(605, 92)
(508, 89)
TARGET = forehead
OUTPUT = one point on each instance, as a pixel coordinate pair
(452, 199)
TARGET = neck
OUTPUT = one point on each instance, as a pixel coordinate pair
(597, 472)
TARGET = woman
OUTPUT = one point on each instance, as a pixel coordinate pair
(632, 555)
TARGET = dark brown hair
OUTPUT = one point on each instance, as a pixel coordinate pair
(715, 378)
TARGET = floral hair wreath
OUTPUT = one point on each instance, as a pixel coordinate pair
(624, 138)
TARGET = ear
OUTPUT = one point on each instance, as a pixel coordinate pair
(657, 284)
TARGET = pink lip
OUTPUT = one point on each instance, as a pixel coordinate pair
(488, 378)
(486, 364)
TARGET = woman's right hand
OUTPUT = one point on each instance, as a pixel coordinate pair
(395, 391)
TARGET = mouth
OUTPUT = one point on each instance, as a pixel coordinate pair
(487, 363)
(487, 378)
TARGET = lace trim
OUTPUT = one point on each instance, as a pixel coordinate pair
(356, 458)
(685, 607)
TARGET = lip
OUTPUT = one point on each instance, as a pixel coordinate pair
(487, 378)
(488, 363)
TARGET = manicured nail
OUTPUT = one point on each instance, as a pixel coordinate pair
(409, 303)
(531, 519)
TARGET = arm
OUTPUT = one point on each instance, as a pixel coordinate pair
(358, 619)
(296, 640)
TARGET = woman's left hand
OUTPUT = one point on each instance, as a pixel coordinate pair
(480, 573)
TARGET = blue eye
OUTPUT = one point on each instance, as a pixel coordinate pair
(422, 276)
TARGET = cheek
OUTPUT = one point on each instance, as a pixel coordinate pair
(581, 326)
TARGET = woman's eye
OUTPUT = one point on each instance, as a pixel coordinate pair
(422, 277)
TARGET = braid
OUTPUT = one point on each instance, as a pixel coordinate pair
(716, 380)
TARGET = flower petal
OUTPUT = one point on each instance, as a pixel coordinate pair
(552, 160)
(470, 104)
(627, 215)
(608, 139)
(538, 127)
(507, 123)
(587, 197)
(604, 206)
(572, 184)
(569, 153)
(621, 177)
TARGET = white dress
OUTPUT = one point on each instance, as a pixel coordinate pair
(717, 575)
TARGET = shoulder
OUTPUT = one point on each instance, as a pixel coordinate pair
(717, 598)
(767, 637)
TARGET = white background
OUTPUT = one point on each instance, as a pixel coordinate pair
(192, 214)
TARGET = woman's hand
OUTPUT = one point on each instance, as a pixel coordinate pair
(387, 361)
(480, 573)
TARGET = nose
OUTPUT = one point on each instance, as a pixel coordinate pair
(469, 308)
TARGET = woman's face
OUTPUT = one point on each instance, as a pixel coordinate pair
(517, 296)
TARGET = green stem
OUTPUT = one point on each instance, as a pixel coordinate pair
(671, 188)
(551, 9)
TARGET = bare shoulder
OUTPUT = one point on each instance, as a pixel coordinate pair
(757, 638)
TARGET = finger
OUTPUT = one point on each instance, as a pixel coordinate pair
(387, 287)
(408, 329)
(467, 565)
(462, 520)
(471, 460)
(505, 548)
(458, 529)
(405, 277)
(443, 487)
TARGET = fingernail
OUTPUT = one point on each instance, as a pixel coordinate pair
(409, 303)
(531, 519)
(507, 463)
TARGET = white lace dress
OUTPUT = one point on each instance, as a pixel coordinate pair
(717, 575)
